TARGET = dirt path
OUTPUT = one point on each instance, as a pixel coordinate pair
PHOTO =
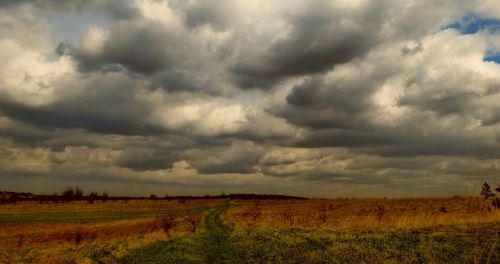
(210, 245)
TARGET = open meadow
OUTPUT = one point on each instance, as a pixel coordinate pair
(249, 131)
(431, 230)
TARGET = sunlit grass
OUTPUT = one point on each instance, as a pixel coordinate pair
(432, 230)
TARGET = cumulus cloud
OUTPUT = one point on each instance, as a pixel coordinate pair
(309, 97)
(317, 37)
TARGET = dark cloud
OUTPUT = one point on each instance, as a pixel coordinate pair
(450, 96)
(492, 119)
(67, 116)
(344, 97)
(104, 104)
(141, 159)
(140, 46)
(448, 104)
(410, 140)
(374, 94)
(334, 101)
(240, 157)
(215, 13)
(118, 9)
(318, 39)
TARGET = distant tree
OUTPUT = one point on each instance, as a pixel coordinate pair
(78, 193)
(104, 196)
(92, 196)
(68, 192)
(54, 198)
(152, 196)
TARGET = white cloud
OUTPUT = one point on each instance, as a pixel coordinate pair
(257, 94)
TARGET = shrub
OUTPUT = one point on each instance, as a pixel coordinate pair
(486, 191)
(323, 216)
(167, 223)
(489, 195)
(495, 202)
(380, 212)
(78, 236)
(193, 221)
(287, 216)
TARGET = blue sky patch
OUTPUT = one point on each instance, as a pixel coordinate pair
(493, 58)
(472, 23)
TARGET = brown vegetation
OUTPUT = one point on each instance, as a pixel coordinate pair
(364, 213)
(145, 221)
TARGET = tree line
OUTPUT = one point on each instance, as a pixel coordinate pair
(77, 194)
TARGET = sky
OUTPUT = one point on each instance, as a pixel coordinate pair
(344, 98)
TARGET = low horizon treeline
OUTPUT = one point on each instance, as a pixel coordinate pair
(77, 194)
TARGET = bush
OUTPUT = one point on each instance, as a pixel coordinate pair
(167, 223)
(288, 216)
(380, 212)
(193, 221)
(486, 191)
(489, 195)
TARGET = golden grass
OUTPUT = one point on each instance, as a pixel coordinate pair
(51, 242)
(362, 213)
(114, 248)
(99, 206)
(78, 242)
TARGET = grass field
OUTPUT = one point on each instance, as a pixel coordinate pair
(437, 230)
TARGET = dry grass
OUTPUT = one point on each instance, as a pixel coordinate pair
(362, 213)
(112, 249)
(108, 240)
(79, 242)
(99, 206)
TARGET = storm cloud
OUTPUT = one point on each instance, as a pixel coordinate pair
(317, 98)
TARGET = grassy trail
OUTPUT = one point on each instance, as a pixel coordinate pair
(215, 240)
(211, 245)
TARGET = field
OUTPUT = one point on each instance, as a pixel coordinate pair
(431, 230)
